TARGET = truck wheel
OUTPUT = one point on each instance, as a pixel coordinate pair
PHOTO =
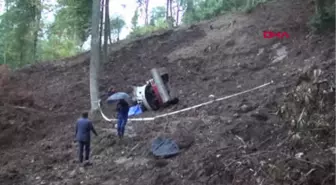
(155, 106)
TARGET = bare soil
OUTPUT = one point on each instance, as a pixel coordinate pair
(281, 134)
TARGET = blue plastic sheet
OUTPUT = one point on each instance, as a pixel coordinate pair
(164, 147)
(134, 110)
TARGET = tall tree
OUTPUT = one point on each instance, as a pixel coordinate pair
(108, 22)
(169, 14)
(25, 37)
(74, 19)
(101, 22)
(117, 25)
(37, 14)
(106, 31)
(19, 32)
(135, 19)
(189, 13)
(158, 13)
(143, 6)
(180, 6)
(146, 12)
(167, 9)
(171, 8)
(95, 55)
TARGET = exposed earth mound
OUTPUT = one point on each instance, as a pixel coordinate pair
(281, 134)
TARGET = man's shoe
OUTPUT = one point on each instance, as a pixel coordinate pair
(87, 163)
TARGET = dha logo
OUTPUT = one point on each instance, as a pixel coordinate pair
(270, 34)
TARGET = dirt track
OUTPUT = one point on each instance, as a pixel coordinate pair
(248, 139)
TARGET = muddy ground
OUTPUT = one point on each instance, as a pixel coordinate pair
(281, 134)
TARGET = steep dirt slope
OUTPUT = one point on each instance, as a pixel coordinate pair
(244, 140)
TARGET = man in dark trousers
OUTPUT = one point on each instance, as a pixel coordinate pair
(83, 136)
(122, 109)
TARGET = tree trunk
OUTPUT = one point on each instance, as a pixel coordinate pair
(110, 39)
(37, 10)
(146, 11)
(21, 56)
(171, 8)
(171, 15)
(177, 15)
(108, 25)
(95, 55)
(189, 12)
(101, 25)
(106, 32)
(167, 10)
(118, 30)
(23, 46)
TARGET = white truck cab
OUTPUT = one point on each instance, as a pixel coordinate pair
(149, 95)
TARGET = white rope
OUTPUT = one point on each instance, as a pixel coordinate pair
(186, 109)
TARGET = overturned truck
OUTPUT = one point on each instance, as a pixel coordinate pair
(156, 93)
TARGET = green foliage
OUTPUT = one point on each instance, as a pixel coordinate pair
(55, 47)
(19, 30)
(251, 4)
(194, 11)
(135, 19)
(324, 18)
(73, 19)
(197, 10)
(117, 25)
(25, 38)
(158, 14)
(147, 30)
(157, 23)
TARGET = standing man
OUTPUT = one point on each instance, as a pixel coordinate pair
(83, 136)
(122, 109)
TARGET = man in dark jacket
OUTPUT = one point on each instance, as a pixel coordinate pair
(122, 109)
(83, 136)
(107, 94)
(110, 91)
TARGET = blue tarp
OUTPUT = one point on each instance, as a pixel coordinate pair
(134, 110)
(164, 147)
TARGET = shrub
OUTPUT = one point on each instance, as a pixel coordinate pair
(324, 19)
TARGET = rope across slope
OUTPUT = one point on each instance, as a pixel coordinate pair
(188, 108)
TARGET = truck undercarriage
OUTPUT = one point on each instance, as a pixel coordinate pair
(150, 95)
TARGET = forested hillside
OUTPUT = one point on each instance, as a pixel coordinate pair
(57, 57)
(40, 30)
